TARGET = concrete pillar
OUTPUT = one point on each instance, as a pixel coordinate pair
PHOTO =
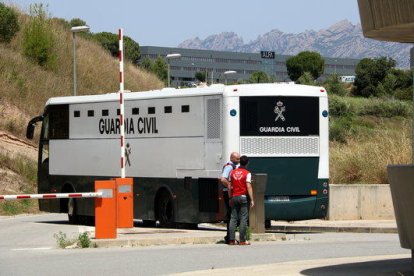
(256, 214)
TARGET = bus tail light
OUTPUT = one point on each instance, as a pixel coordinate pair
(313, 192)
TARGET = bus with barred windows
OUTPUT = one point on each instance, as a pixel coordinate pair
(177, 141)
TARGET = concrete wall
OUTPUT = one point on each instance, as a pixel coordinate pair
(360, 201)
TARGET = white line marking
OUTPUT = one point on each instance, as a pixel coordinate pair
(31, 248)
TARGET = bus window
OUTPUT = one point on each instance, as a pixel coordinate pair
(58, 121)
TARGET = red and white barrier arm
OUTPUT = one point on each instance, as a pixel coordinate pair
(50, 196)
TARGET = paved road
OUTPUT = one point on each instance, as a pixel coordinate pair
(27, 247)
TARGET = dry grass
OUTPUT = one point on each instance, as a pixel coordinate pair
(28, 86)
(364, 158)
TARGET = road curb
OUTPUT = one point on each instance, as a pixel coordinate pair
(133, 242)
(337, 229)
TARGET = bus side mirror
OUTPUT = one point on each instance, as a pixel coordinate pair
(31, 127)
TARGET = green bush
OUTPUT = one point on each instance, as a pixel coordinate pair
(404, 94)
(259, 77)
(341, 128)
(306, 79)
(387, 109)
(84, 240)
(38, 41)
(334, 86)
(339, 106)
(9, 24)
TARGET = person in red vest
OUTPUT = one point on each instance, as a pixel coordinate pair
(241, 189)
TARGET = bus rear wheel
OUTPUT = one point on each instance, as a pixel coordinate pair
(165, 210)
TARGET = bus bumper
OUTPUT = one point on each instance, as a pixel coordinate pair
(296, 208)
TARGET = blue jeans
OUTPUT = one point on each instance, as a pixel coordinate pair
(239, 211)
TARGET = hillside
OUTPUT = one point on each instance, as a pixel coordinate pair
(25, 87)
(342, 39)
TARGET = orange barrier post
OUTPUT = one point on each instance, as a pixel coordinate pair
(125, 202)
(105, 210)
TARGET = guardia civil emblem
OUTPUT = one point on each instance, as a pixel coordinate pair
(279, 109)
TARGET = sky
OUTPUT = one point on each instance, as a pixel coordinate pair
(168, 23)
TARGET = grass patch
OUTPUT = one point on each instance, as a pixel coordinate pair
(82, 241)
(22, 166)
(15, 207)
(27, 169)
(364, 157)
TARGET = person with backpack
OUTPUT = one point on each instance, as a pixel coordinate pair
(225, 181)
(241, 189)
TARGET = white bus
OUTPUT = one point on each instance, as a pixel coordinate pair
(177, 142)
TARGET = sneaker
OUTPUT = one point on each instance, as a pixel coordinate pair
(244, 243)
(232, 242)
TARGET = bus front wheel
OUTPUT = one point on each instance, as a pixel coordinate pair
(165, 210)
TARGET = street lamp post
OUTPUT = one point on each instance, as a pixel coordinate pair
(228, 73)
(168, 57)
(74, 30)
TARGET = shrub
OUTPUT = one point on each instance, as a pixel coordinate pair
(387, 109)
(341, 129)
(9, 24)
(306, 79)
(38, 41)
(334, 86)
(404, 94)
(84, 240)
(339, 106)
(62, 240)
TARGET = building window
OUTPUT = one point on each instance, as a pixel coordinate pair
(151, 110)
(118, 112)
(91, 113)
(135, 111)
(185, 108)
(105, 112)
(76, 113)
(167, 109)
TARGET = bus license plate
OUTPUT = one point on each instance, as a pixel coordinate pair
(278, 198)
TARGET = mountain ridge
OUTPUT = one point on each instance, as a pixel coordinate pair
(342, 39)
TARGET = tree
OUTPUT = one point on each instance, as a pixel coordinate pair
(307, 61)
(259, 77)
(75, 22)
(160, 68)
(146, 64)
(9, 24)
(110, 42)
(200, 76)
(369, 73)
